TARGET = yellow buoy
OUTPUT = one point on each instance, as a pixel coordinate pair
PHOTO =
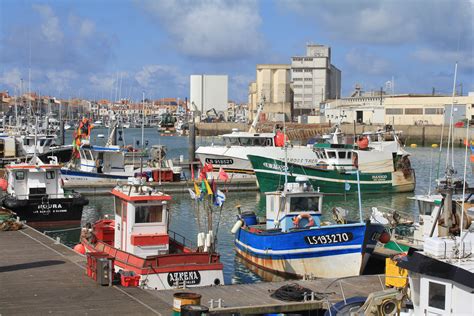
(434, 145)
(413, 145)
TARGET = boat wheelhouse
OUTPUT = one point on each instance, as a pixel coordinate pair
(295, 241)
(232, 156)
(35, 193)
(139, 241)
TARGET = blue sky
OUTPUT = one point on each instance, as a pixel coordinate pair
(89, 48)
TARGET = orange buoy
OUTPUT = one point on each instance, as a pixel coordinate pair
(3, 184)
(79, 248)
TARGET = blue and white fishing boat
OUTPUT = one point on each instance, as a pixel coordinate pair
(294, 241)
(98, 164)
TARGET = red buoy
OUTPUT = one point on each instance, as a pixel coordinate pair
(384, 237)
(79, 248)
(3, 184)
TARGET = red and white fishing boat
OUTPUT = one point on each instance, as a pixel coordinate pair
(140, 242)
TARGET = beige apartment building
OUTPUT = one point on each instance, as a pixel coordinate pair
(273, 84)
(427, 110)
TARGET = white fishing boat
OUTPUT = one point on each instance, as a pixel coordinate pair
(232, 156)
(34, 191)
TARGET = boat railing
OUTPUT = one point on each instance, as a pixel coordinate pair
(180, 239)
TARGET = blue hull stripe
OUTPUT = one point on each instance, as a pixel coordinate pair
(293, 245)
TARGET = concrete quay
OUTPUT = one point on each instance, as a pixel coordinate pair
(104, 188)
(424, 135)
(40, 276)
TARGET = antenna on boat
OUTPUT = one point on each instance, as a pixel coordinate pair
(359, 196)
(286, 150)
(450, 171)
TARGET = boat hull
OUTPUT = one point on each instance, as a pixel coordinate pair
(47, 212)
(91, 177)
(301, 253)
(188, 268)
(271, 177)
(234, 159)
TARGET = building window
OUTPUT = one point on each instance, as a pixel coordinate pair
(297, 79)
(297, 70)
(297, 59)
(415, 111)
(434, 111)
(437, 295)
(308, 87)
(308, 79)
(308, 70)
(394, 111)
(297, 86)
(308, 59)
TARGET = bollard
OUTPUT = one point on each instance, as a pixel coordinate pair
(184, 298)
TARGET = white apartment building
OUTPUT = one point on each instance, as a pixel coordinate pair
(314, 78)
(209, 92)
(273, 83)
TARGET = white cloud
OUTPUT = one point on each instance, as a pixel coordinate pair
(84, 27)
(440, 23)
(102, 83)
(60, 80)
(50, 27)
(221, 29)
(11, 78)
(159, 77)
(364, 62)
(429, 55)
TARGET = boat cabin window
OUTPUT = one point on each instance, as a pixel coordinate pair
(20, 175)
(304, 204)
(349, 155)
(331, 154)
(232, 141)
(50, 175)
(425, 208)
(148, 214)
(118, 207)
(26, 141)
(341, 154)
(87, 154)
(246, 141)
(436, 295)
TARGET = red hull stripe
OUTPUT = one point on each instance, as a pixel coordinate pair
(149, 240)
(145, 197)
(158, 264)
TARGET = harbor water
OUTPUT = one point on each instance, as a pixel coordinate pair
(424, 160)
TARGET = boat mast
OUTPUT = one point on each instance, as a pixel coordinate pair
(253, 127)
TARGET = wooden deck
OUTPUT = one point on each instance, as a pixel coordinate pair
(39, 276)
(255, 298)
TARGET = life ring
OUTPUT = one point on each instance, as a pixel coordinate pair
(355, 160)
(297, 219)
